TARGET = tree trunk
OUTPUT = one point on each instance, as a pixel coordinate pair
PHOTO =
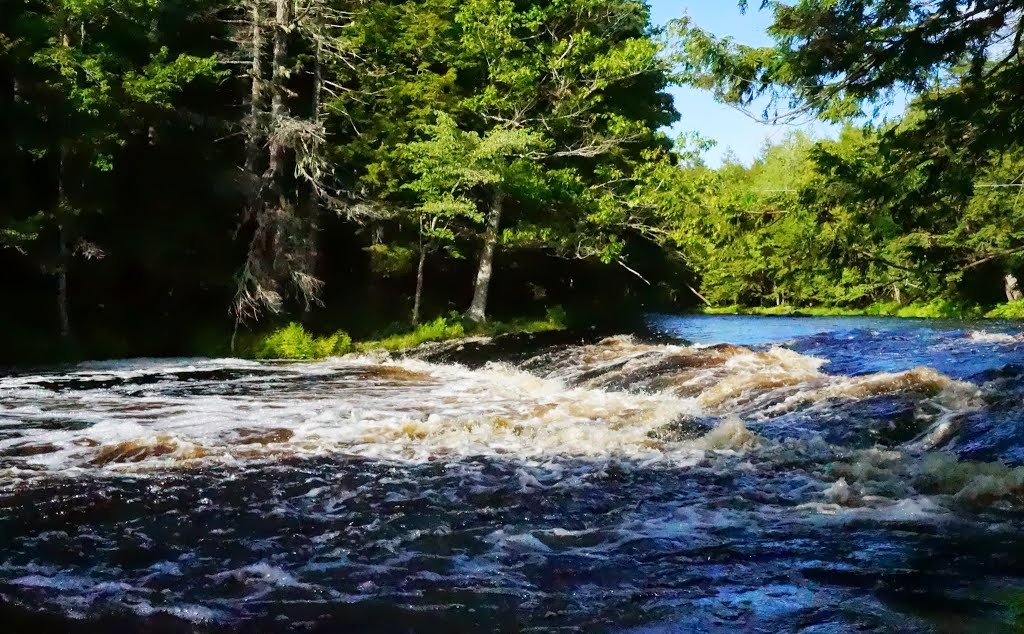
(312, 195)
(478, 309)
(63, 312)
(252, 141)
(253, 179)
(1012, 288)
(418, 299)
(318, 81)
(154, 41)
(275, 176)
(278, 106)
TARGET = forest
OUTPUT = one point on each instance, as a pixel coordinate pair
(179, 173)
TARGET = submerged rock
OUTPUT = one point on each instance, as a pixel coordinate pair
(682, 429)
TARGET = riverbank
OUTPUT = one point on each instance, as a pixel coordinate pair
(294, 342)
(310, 340)
(936, 309)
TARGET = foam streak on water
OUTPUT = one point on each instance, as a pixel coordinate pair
(609, 485)
(124, 419)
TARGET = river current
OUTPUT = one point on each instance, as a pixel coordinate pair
(710, 474)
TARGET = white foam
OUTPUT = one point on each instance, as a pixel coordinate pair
(414, 411)
(992, 337)
(397, 410)
(187, 612)
(261, 572)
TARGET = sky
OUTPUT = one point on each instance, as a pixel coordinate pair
(732, 130)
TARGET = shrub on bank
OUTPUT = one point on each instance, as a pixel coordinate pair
(734, 309)
(556, 318)
(935, 309)
(440, 329)
(1012, 310)
(293, 342)
(455, 327)
(785, 310)
(939, 309)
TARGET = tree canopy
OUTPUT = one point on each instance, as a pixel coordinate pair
(212, 164)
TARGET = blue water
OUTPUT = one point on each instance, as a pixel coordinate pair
(864, 345)
(234, 496)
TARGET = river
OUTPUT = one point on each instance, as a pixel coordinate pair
(707, 474)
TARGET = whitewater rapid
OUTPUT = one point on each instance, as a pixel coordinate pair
(598, 402)
(578, 485)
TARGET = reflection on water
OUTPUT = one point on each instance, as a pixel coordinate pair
(766, 478)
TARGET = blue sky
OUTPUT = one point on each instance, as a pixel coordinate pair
(731, 129)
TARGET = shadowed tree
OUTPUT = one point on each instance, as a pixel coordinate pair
(94, 78)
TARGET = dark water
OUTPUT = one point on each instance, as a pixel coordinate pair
(778, 475)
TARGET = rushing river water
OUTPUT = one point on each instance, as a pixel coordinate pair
(714, 474)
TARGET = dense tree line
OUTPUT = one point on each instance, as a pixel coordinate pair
(242, 160)
(175, 170)
(924, 208)
(841, 223)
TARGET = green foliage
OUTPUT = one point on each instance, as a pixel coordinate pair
(434, 110)
(545, 107)
(925, 207)
(1011, 310)
(840, 58)
(429, 110)
(839, 223)
(935, 309)
(341, 343)
(451, 166)
(1013, 599)
(89, 75)
(441, 329)
(455, 327)
(555, 318)
(389, 260)
(293, 342)
(789, 311)
(163, 77)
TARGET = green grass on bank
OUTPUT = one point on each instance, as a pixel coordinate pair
(294, 342)
(1013, 310)
(936, 309)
